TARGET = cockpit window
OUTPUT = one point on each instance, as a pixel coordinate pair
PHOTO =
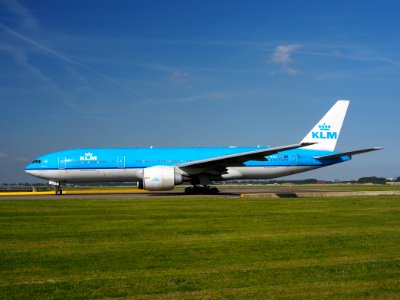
(37, 161)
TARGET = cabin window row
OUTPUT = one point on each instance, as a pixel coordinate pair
(278, 158)
(90, 162)
(139, 161)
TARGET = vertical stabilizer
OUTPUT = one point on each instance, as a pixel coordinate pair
(326, 132)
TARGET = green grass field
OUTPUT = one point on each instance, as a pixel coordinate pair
(200, 248)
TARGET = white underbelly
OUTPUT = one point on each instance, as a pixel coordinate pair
(91, 175)
(264, 172)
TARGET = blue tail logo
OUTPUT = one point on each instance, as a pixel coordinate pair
(324, 133)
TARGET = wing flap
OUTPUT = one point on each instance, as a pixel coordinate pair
(349, 153)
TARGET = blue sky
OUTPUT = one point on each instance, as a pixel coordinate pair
(79, 74)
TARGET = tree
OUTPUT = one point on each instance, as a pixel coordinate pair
(372, 179)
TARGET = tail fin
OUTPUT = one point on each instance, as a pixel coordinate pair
(326, 132)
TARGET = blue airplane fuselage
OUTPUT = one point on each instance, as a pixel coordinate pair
(56, 165)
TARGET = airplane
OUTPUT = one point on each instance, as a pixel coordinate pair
(160, 169)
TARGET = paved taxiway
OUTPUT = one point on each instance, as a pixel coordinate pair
(231, 193)
(134, 193)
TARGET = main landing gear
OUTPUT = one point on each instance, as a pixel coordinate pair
(203, 190)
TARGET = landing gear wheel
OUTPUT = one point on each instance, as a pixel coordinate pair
(58, 192)
(189, 191)
(204, 190)
(214, 191)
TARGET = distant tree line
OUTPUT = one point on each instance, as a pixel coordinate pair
(373, 179)
(362, 180)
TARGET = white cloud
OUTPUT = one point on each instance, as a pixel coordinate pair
(54, 53)
(218, 95)
(8, 157)
(28, 22)
(179, 77)
(212, 96)
(282, 53)
(283, 57)
(25, 18)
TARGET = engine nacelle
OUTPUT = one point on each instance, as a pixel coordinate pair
(160, 178)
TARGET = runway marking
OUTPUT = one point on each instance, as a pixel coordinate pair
(75, 192)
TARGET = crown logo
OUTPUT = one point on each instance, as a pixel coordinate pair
(324, 127)
(88, 156)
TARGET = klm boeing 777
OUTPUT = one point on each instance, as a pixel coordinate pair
(159, 169)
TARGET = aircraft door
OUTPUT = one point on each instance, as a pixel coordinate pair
(121, 162)
(294, 159)
(62, 162)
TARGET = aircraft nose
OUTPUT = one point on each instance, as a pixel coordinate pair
(30, 172)
(30, 169)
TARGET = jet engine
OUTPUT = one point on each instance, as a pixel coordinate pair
(160, 178)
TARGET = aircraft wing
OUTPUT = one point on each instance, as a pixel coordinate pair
(349, 153)
(239, 158)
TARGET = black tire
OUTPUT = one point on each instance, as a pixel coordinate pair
(58, 192)
(189, 191)
(214, 191)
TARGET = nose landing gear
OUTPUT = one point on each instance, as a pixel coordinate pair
(57, 186)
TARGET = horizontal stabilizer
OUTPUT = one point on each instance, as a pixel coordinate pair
(349, 153)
